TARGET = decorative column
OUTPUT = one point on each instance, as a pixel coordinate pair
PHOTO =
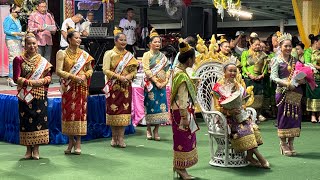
(108, 11)
(68, 9)
(307, 16)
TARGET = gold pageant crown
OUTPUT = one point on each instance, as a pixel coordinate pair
(153, 33)
(183, 46)
(116, 31)
(284, 36)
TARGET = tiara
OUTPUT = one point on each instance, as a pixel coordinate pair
(153, 33)
(185, 46)
(231, 60)
(116, 31)
(284, 36)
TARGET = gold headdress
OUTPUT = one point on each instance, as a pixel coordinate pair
(70, 29)
(222, 40)
(183, 46)
(116, 31)
(284, 36)
(153, 33)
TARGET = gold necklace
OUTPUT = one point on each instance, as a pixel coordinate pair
(289, 67)
(72, 54)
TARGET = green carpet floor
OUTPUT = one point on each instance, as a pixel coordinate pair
(152, 160)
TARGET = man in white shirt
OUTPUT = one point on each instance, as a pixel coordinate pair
(86, 24)
(128, 25)
(240, 43)
(73, 22)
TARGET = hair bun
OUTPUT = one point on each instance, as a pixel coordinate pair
(311, 36)
(116, 31)
(183, 46)
(29, 34)
(70, 29)
(153, 33)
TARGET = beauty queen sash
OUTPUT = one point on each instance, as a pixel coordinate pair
(155, 70)
(120, 67)
(74, 71)
(24, 94)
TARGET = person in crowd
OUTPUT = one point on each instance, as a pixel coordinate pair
(74, 66)
(31, 72)
(129, 25)
(263, 47)
(192, 42)
(13, 31)
(239, 44)
(275, 45)
(254, 68)
(88, 21)
(120, 68)
(225, 55)
(288, 96)
(183, 99)
(42, 24)
(74, 23)
(245, 135)
(157, 69)
(300, 51)
(312, 56)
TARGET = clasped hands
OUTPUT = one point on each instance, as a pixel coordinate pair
(80, 79)
(184, 124)
(161, 85)
(234, 111)
(257, 78)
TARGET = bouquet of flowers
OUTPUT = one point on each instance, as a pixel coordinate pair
(303, 72)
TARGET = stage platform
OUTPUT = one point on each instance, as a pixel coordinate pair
(96, 117)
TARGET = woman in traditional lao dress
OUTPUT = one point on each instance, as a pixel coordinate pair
(288, 97)
(120, 67)
(254, 68)
(156, 68)
(312, 55)
(225, 55)
(74, 67)
(32, 74)
(183, 99)
(244, 135)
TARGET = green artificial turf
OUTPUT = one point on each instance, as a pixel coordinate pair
(143, 159)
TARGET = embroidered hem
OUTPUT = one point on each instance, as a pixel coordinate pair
(287, 133)
(257, 134)
(74, 128)
(313, 105)
(182, 160)
(244, 143)
(33, 138)
(158, 118)
(119, 120)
